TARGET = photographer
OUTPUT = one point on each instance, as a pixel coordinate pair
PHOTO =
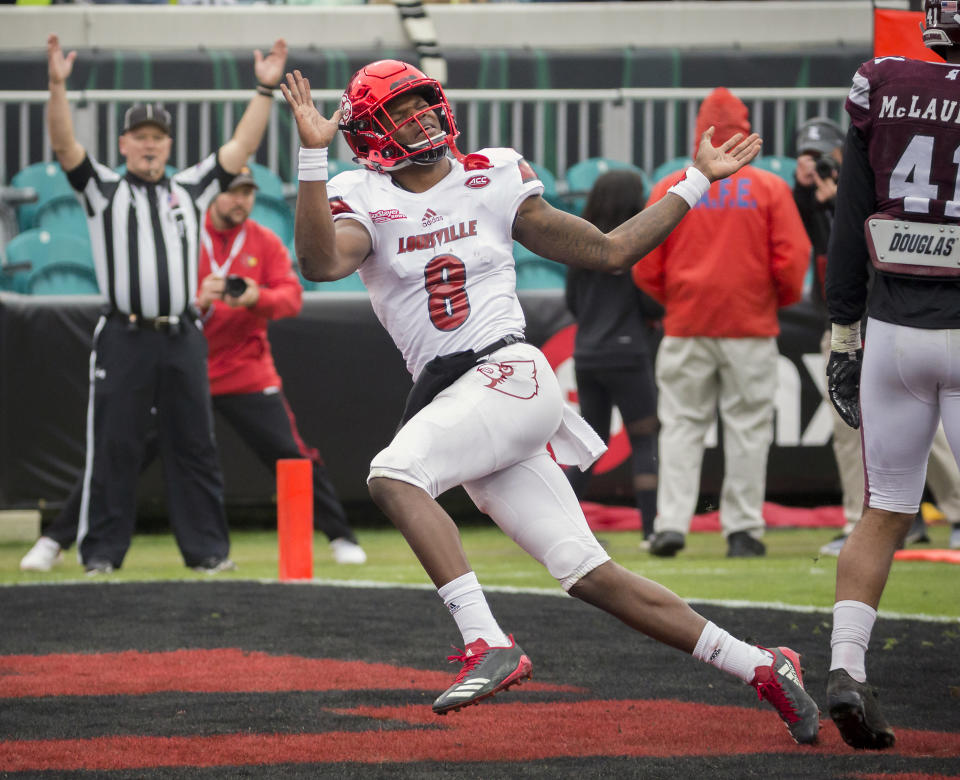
(819, 154)
(246, 280)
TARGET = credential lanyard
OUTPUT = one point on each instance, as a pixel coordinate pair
(221, 269)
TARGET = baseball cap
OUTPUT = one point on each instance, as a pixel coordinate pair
(244, 178)
(147, 114)
(819, 135)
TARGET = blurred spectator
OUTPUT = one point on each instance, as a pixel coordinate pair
(721, 276)
(614, 344)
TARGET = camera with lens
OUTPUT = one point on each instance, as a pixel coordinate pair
(235, 286)
(826, 167)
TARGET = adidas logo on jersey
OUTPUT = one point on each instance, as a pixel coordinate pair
(430, 217)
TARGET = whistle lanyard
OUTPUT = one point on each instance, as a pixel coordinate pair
(221, 269)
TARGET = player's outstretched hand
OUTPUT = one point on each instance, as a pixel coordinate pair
(59, 67)
(269, 70)
(315, 131)
(718, 162)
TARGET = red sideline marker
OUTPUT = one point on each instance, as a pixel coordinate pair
(295, 519)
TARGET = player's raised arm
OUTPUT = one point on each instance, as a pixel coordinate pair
(570, 240)
(268, 70)
(65, 146)
(325, 251)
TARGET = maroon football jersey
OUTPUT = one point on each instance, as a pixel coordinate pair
(908, 111)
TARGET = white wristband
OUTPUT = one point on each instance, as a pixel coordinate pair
(845, 338)
(693, 186)
(312, 165)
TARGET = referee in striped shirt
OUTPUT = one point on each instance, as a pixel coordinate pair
(148, 350)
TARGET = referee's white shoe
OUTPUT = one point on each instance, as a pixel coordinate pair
(43, 556)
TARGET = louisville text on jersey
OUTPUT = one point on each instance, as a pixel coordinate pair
(437, 238)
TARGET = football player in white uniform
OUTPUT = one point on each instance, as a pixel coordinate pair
(430, 231)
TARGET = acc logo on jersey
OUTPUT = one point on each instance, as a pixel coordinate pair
(512, 377)
(346, 109)
(476, 182)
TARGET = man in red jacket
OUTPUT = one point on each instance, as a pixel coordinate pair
(721, 275)
(246, 280)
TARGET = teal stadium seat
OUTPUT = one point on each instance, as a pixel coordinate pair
(537, 273)
(664, 169)
(335, 166)
(38, 248)
(274, 213)
(63, 278)
(581, 176)
(268, 182)
(64, 214)
(784, 167)
(48, 180)
(551, 192)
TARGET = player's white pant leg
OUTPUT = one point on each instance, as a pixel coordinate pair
(532, 502)
(502, 412)
(899, 411)
(950, 408)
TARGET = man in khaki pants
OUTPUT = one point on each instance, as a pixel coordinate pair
(722, 275)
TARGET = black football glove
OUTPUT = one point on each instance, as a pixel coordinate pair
(843, 384)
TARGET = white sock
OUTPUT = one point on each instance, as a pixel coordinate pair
(717, 648)
(852, 624)
(466, 602)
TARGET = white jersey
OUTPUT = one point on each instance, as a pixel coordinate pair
(441, 274)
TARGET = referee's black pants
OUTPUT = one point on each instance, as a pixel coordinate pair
(132, 371)
(266, 424)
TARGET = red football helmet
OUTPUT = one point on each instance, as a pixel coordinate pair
(942, 27)
(367, 125)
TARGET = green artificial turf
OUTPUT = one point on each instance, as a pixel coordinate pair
(792, 572)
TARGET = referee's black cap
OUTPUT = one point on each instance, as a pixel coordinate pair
(147, 114)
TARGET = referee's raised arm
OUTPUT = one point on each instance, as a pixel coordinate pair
(246, 138)
(68, 150)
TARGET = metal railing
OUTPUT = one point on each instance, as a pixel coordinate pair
(554, 128)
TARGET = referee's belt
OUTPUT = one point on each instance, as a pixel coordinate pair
(171, 324)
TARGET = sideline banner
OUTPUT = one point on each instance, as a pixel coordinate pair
(896, 33)
(346, 383)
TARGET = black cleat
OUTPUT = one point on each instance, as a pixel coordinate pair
(666, 544)
(854, 708)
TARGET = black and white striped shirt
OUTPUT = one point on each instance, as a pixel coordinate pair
(145, 236)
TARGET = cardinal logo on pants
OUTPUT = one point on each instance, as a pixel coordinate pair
(512, 377)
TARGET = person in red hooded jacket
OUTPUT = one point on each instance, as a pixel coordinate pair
(721, 275)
